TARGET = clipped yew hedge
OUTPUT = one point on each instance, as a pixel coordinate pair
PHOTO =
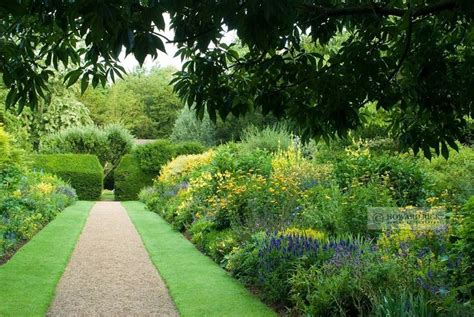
(130, 178)
(138, 169)
(82, 171)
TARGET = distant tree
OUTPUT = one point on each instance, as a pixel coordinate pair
(58, 111)
(144, 102)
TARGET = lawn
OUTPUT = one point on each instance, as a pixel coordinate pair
(29, 279)
(198, 286)
(107, 195)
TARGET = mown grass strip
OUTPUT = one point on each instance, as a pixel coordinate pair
(198, 286)
(28, 281)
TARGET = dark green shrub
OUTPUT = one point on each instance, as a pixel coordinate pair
(188, 127)
(272, 139)
(108, 144)
(82, 171)
(467, 229)
(189, 147)
(404, 177)
(153, 156)
(452, 180)
(130, 178)
(233, 157)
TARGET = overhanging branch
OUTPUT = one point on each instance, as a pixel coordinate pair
(445, 5)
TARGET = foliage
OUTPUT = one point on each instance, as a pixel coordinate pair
(146, 161)
(292, 225)
(188, 127)
(182, 167)
(153, 156)
(61, 110)
(272, 138)
(189, 147)
(13, 124)
(143, 102)
(82, 171)
(322, 89)
(402, 176)
(452, 180)
(109, 144)
(322, 86)
(28, 200)
(130, 178)
(467, 230)
(4, 147)
(44, 259)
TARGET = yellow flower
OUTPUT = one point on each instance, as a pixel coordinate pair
(45, 188)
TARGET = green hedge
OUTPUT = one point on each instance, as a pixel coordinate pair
(83, 171)
(130, 178)
(138, 169)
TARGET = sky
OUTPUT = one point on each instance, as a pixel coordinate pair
(129, 62)
(163, 59)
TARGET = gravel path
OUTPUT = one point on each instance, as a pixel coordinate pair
(110, 273)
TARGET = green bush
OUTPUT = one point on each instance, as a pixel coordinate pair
(137, 170)
(4, 147)
(28, 200)
(152, 156)
(272, 139)
(234, 157)
(109, 144)
(452, 180)
(403, 176)
(130, 178)
(188, 127)
(189, 147)
(467, 229)
(83, 171)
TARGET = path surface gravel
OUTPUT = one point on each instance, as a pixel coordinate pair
(110, 273)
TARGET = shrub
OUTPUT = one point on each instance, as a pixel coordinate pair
(188, 127)
(183, 167)
(467, 230)
(130, 178)
(232, 157)
(28, 200)
(108, 144)
(82, 171)
(272, 139)
(403, 176)
(4, 147)
(346, 284)
(284, 223)
(452, 180)
(152, 156)
(189, 147)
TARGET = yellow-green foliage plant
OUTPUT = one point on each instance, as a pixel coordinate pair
(4, 146)
(181, 168)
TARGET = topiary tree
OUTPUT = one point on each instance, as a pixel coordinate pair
(108, 144)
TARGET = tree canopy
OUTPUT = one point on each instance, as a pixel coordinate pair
(143, 102)
(414, 58)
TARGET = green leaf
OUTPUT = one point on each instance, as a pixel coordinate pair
(72, 77)
(444, 150)
(84, 83)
